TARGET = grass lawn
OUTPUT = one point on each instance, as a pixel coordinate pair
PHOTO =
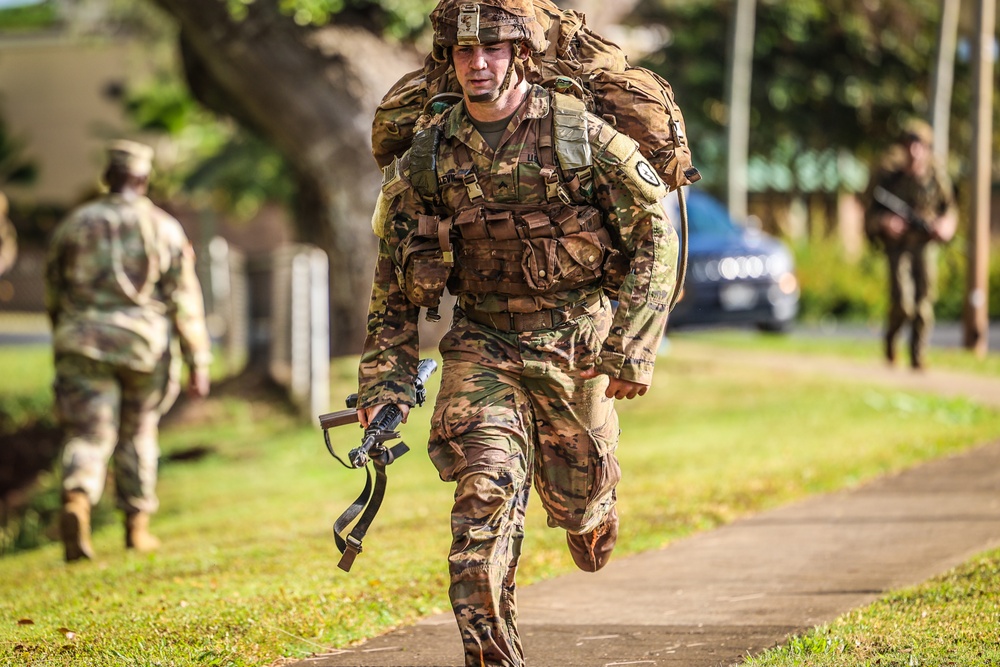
(248, 574)
(950, 620)
(849, 347)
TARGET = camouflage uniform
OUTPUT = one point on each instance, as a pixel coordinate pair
(912, 258)
(532, 314)
(120, 287)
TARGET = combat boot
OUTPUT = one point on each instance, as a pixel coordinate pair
(591, 551)
(137, 535)
(890, 352)
(75, 526)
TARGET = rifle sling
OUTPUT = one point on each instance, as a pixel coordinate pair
(369, 502)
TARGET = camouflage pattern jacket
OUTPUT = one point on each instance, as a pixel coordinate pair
(120, 283)
(929, 198)
(601, 168)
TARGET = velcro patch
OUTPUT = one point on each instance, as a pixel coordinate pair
(643, 178)
(640, 176)
(393, 185)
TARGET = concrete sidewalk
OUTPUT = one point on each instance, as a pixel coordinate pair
(714, 598)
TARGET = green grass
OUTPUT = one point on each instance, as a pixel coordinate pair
(950, 620)
(867, 350)
(26, 389)
(248, 570)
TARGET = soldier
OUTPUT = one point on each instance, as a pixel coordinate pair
(910, 208)
(120, 286)
(528, 208)
(8, 238)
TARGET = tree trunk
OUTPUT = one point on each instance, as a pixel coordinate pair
(311, 93)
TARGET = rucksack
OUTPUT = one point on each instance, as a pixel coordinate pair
(634, 100)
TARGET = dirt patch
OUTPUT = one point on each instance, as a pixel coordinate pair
(27, 454)
(23, 456)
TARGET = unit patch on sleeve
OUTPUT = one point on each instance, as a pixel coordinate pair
(647, 173)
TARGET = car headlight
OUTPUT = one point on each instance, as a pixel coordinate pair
(780, 262)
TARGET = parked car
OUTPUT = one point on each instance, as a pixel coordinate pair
(737, 275)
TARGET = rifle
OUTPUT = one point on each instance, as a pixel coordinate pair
(894, 204)
(372, 450)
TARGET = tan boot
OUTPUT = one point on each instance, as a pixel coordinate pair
(137, 535)
(591, 551)
(75, 526)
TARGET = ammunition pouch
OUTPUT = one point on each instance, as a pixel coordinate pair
(421, 271)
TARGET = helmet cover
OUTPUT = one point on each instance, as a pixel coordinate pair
(459, 22)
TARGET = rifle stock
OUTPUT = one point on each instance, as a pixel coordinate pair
(338, 418)
(895, 204)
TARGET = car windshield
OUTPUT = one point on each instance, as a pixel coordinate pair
(707, 216)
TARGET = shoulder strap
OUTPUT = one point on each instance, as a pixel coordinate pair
(146, 226)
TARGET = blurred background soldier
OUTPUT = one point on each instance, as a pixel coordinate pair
(120, 286)
(910, 207)
(8, 238)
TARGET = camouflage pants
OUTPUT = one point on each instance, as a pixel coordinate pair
(107, 412)
(912, 278)
(513, 411)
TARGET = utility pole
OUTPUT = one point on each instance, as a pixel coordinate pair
(976, 316)
(944, 78)
(741, 41)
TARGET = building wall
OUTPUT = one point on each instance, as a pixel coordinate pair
(60, 98)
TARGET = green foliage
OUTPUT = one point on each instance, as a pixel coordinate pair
(838, 74)
(29, 17)
(835, 286)
(398, 18)
(216, 163)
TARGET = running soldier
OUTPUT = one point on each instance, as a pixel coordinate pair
(532, 211)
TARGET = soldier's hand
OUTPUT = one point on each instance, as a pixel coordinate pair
(367, 415)
(618, 388)
(893, 226)
(199, 382)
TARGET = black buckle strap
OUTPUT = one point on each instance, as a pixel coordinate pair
(368, 502)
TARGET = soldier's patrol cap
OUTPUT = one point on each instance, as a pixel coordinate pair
(916, 130)
(131, 156)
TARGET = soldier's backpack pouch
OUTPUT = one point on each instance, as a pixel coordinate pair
(422, 272)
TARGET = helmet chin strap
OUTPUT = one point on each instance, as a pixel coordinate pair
(508, 79)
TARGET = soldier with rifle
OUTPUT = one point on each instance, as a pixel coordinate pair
(910, 208)
(532, 211)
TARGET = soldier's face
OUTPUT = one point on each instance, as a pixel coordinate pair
(481, 69)
(920, 157)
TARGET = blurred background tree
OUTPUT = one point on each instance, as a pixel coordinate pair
(303, 76)
(272, 100)
(827, 74)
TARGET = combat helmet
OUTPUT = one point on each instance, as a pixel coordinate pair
(485, 22)
(915, 129)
